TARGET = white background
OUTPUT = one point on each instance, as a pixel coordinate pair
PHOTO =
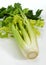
(9, 52)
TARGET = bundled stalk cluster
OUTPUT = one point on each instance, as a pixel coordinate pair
(22, 25)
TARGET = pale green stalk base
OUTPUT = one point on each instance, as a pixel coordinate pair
(30, 49)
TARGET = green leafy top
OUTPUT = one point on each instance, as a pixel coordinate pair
(14, 14)
(12, 10)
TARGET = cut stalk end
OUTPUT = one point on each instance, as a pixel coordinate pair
(32, 55)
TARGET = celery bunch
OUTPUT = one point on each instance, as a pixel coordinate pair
(22, 25)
